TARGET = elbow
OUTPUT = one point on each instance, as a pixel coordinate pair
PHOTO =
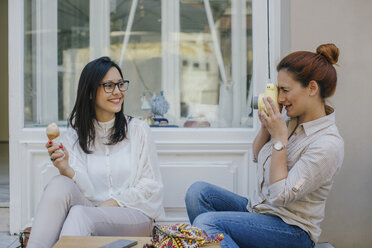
(255, 152)
(277, 201)
(277, 194)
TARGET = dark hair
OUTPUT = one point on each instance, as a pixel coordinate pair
(84, 112)
(306, 66)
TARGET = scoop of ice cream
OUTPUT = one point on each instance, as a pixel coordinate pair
(52, 131)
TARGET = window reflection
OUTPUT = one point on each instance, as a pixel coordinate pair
(200, 72)
(202, 92)
(73, 51)
(142, 61)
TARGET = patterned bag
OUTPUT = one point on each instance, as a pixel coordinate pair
(182, 236)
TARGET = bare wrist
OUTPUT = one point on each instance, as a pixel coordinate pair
(68, 172)
(264, 132)
(284, 140)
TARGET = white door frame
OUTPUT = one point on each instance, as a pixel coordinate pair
(29, 160)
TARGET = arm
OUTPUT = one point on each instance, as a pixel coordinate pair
(278, 167)
(145, 191)
(71, 164)
(278, 130)
(260, 140)
(316, 167)
(81, 177)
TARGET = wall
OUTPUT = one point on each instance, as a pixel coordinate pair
(4, 120)
(348, 221)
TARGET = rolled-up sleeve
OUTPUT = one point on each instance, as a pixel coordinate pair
(316, 166)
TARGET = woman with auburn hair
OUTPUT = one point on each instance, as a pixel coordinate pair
(109, 182)
(296, 160)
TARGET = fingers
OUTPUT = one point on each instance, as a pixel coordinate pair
(263, 116)
(260, 115)
(269, 108)
(59, 159)
(63, 149)
(49, 144)
(57, 156)
(52, 149)
(56, 149)
(273, 105)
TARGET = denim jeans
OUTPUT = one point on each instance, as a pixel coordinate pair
(217, 210)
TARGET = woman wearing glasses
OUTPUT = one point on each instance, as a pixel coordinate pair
(109, 182)
(296, 163)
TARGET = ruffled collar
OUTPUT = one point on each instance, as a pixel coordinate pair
(103, 128)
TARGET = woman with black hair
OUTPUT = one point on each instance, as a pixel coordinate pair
(109, 182)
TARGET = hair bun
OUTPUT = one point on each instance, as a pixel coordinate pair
(329, 51)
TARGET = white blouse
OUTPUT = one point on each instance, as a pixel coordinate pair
(127, 172)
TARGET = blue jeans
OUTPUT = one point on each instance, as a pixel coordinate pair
(217, 210)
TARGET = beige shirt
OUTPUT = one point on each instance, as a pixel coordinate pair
(315, 153)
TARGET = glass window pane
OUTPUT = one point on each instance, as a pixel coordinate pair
(206, 82)
(59, 43)
(73, 51)
(200, 72)
(29, 65)
(142, 54)
(56, 50)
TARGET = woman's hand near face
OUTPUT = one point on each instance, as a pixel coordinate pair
(59, 159)
(274, 121)
(109, 203)
(262, 118)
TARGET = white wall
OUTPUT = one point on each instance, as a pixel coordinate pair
(4, 120)
(348, 24)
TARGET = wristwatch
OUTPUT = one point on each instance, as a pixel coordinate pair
(278, 145)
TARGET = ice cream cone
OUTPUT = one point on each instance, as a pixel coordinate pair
(52, 131)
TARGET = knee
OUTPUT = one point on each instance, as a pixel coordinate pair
(195, 191)
(59, 187)
(77, 223)
(205, 220)
(77, 213)
(60, 182)
(78, 216)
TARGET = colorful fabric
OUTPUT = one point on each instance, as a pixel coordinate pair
(182, 236)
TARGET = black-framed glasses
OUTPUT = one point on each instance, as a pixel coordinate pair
(109, 87)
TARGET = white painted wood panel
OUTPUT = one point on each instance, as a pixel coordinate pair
(177, 178)
(227, 168)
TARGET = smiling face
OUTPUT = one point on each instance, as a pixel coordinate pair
(107, 104)
(293, 96)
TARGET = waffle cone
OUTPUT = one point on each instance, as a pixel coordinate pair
(52, 131)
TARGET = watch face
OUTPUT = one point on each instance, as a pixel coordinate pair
(278, 146)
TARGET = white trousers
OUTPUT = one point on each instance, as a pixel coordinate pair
(64, 211)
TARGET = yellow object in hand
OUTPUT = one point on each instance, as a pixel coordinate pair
(271, 91)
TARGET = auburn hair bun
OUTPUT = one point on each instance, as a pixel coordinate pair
(329, 51)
